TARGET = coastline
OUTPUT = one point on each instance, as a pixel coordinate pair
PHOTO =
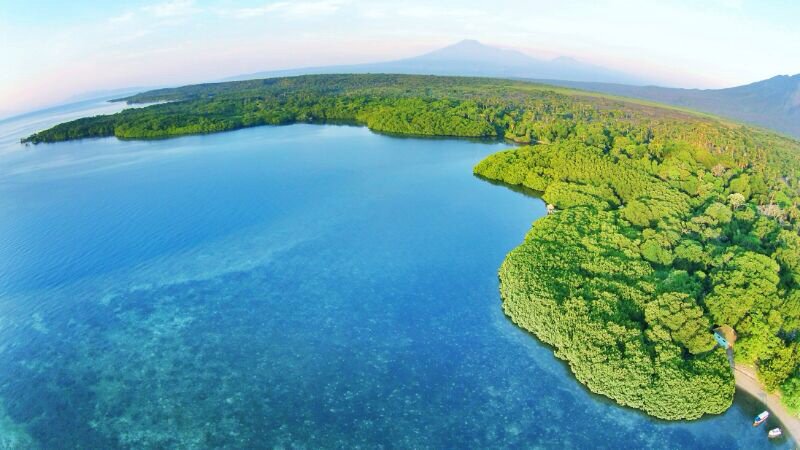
(746, 381)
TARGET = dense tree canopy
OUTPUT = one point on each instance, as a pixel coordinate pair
(666, 223)
(579, 284)
(643, 254)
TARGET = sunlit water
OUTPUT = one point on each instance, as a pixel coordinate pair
(281, 287)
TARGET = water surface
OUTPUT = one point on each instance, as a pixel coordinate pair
(282, 287)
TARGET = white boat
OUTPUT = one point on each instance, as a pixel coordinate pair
(761, 418)
(774, 433)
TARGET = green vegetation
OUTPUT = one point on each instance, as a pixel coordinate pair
(666, 224)
(652, 243)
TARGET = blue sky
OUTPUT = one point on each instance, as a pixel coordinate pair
(52, 50)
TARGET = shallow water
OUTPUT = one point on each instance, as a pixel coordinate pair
(299, 287)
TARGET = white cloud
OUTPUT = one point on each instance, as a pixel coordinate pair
(423, 11)
(246, 13)
(172, 9)
(295, 8)
(122, 18)
(130, 37)
(730, 4)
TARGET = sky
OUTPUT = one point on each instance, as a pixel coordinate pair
(54, 50)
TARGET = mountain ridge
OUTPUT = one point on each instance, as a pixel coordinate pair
(472, 58)
(773, 103)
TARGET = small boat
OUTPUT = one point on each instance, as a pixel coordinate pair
(774, 433)
(761, 418)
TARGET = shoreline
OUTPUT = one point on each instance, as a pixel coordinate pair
(747, 382)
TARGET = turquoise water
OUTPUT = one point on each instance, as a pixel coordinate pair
(282, 287)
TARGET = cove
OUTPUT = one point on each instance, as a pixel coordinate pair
(300, 286)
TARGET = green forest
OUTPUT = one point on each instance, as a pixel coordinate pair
(666, 223)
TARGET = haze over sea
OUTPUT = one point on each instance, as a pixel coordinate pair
(303, 286)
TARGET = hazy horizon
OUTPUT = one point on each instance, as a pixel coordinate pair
(449, 224)
(59, 52)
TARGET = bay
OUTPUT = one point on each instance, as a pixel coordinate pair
(304, 286)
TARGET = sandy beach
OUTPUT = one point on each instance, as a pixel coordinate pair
(746, 380)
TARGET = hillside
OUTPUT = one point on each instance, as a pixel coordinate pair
(772, 103)
(666, 222)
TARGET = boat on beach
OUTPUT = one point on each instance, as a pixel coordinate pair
(775, 433)
(761, 418)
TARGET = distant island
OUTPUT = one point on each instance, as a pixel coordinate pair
(665, 224)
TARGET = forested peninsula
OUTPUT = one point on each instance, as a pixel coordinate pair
(666, 223)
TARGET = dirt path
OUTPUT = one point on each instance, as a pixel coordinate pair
(746, 380)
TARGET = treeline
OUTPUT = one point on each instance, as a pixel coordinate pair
(650, 245)
(413, 104)
(427, 105)
(667, 222)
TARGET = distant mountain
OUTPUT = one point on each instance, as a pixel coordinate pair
(470, 57)
(78, 101)
(107, 93)
(772, 103)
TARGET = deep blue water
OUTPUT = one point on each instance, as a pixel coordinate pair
(282, 287)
